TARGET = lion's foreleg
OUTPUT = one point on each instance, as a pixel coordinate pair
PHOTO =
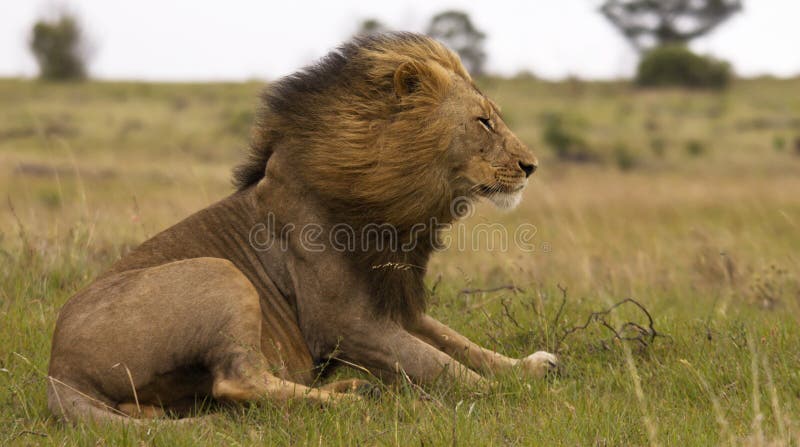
(393, 352)
(474, 356)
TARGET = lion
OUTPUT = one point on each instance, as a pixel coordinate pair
(246, 299)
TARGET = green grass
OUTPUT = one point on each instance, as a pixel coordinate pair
(707, 240)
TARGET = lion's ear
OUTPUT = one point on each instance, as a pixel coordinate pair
(406, 79)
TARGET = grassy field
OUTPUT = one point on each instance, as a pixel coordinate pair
(689, 204)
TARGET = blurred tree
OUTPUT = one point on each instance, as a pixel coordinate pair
(455, 29)
(59, 48)
(654, 23)
(676, 65)
(369, 27)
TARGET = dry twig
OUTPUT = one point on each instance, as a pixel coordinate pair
(507, 312)
(28, 432)
(628, 331)
(510, 287)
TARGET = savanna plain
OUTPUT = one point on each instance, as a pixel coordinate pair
(686, 202)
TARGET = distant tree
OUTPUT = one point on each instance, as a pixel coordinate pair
(369, 27)
(59, 48)
(653, 23)
(676, 65)
(456, 30)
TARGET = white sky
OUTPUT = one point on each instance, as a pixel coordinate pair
(245, 39)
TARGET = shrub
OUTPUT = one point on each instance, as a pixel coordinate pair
(695, 148)
(659, 146)
(676, 65)
(778, 143)
(59, 49)
(624, 158)
(564, 135)
(239, 122)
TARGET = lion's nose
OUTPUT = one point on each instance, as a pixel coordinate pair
(527, 168)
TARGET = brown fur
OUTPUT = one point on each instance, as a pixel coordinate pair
(386, 130)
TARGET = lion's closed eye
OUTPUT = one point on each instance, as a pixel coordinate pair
(487, 123)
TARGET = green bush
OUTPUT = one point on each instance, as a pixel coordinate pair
(778, 143)
(695, 148)
(59, 49)
(564, 135)
(659, 146)
(238, 122)
(676, 65)
(624, 157)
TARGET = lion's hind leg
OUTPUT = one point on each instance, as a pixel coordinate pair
(360, 387)
(239, 369)
(240, 373)
(266, 386)
(142, 411)
(156, 336)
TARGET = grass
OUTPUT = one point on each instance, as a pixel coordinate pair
(707, 240)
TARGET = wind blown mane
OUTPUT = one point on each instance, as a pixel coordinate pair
(371, 154)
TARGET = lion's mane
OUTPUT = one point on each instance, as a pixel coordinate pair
(372, 155)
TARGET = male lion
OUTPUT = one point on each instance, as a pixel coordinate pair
(385, 132)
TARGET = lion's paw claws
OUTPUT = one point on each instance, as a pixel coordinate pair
(539, 364)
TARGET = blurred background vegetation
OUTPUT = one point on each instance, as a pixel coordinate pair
(59, 48)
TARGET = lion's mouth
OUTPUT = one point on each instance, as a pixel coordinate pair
(502, 195)
(499, 188)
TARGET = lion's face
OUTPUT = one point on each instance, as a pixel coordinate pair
(488, 160)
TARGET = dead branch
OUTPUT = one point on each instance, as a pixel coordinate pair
(507, 312)
(559, 313)
(628, 331)
(23, 236)
(436, 284)
(510, 287)
(486, 301)
(29, 432)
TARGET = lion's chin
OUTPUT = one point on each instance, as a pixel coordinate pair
(506, 200)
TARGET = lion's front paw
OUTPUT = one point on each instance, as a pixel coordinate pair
(539, 364)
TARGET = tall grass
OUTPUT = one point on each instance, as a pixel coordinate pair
(707, 243)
